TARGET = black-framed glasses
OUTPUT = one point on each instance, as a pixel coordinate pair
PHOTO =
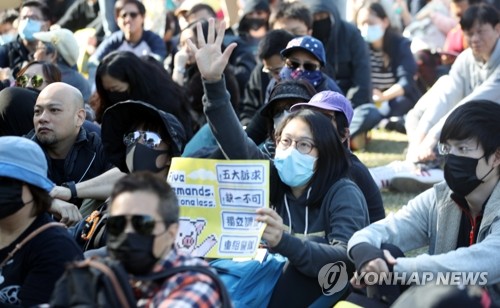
(142, 224)
(132, 15)
(308, 66)
(150, 139)
(24, 80)
(304, 146)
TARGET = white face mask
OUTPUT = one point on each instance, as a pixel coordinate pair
(372, 33)
(279, 117)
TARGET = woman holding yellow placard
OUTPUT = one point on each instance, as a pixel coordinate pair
(316, 208)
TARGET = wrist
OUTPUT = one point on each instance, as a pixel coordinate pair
(181, 69)
(211, 79)
(72, 188)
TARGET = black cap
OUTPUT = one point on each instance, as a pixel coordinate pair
(118, 119)
(288, 89)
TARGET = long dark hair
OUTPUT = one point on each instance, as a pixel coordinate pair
(42, 201)
(148, 82)
(332, 163)
(379, 11)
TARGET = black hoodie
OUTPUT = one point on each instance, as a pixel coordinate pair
(347, 55)
(16, 111)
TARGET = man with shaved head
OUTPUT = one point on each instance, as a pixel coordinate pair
(73, 153)
(58, 118)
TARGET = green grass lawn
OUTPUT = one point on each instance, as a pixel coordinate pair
(383, 148)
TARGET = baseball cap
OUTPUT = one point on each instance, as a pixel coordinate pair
(64, 41)
(307, 43)
(118, 119)
(24, 160)
(329, 100)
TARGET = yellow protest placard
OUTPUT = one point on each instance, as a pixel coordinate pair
(218, 199)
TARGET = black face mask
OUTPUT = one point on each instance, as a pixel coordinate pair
(322, 29)
(142, 158)
(134, 251)
(460, 174)
(10, 197)
(116, 97)
(255, 23)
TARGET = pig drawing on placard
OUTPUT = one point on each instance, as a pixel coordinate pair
(187, 237)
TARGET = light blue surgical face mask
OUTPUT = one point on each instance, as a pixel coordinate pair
(27, 27)
(7, 38)
(294, 168)
(372, 33)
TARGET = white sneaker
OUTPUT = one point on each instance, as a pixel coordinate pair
(416, 183)
(383, 175)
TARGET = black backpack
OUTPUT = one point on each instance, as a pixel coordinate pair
(105, 283)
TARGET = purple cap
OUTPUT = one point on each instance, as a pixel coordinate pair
(307, 43)
(329, 100)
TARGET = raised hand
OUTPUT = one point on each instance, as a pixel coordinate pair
(210, 59)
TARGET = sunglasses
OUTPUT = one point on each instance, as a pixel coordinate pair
(149, 139)
(308, 66)
(142, 224)
(132, 15)
(24, 80)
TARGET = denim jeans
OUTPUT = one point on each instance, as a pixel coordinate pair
(365, 118)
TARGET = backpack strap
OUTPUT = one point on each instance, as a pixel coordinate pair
(169, 272)
(106, 270)
(28, 238)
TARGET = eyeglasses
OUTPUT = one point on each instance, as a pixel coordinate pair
(304, 146)
(272, 70)
(132, 15)
(308, 66)
(445, 149)
(23, 81)
(142, 224)
(149, 139)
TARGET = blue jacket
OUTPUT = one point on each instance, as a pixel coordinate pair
(13, 55)
(157, 47)
(403, 65)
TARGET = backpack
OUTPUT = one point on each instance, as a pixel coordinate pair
(105, 283)
(250, 283)
(91, 232)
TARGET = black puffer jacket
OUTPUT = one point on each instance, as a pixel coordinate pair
(85, 160)
(347, 56)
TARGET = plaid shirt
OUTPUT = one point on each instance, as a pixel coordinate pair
(185, 289)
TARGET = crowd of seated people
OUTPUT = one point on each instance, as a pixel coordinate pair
(97, 97)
